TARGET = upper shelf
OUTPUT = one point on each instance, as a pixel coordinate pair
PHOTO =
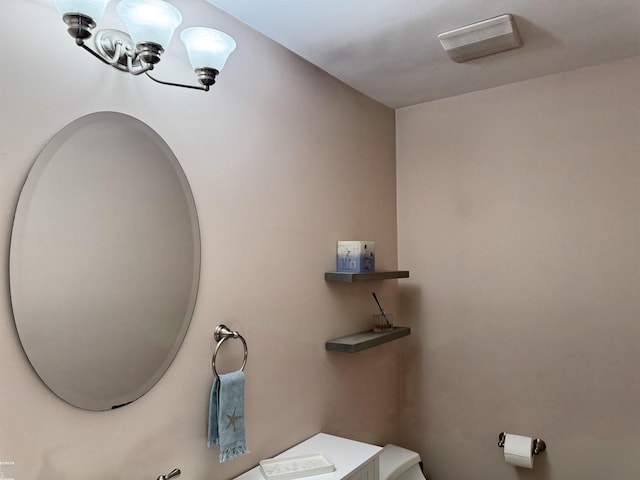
(346, 277)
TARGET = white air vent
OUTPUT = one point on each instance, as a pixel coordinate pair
(489, 36)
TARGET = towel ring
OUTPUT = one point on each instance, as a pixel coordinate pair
(221, 334)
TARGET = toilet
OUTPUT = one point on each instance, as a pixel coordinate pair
(397, 463)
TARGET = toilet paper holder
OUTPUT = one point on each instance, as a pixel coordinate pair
(537, 446)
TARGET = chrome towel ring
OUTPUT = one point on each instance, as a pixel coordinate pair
(221, 334)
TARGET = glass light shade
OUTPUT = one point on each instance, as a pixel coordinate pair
(150, 20)
(90, 8)
(207, 47)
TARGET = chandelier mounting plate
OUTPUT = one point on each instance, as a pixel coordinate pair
(106, 41)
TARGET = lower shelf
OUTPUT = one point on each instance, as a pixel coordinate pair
(364, 340)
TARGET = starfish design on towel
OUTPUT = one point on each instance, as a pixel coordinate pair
(233, 419)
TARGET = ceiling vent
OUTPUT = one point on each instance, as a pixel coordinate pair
(479, 39)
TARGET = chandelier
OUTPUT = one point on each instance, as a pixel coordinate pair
(151, 24)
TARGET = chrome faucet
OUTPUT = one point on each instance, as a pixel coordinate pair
(173, 473)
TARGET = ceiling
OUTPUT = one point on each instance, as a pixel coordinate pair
(389, 50)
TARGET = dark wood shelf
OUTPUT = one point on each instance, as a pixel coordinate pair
(362, 341)
(345, 277)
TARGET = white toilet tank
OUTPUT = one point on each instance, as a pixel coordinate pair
(397, 463)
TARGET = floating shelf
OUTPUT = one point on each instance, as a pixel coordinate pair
(364, 340)
(346, 277)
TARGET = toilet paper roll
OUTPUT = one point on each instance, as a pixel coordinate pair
(518, 450)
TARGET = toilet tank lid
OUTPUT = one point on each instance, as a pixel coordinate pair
(396, 460)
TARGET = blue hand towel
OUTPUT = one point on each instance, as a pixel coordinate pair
(226, 415)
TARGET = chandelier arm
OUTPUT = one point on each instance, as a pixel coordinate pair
(130, 67)
(80, 43)
(117, 54)
(195, 87)
(118, 51)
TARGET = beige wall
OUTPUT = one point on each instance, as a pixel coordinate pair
(283, 161)
(517, 214)
(518, 217)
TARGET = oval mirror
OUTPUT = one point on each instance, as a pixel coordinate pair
(104, 261)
